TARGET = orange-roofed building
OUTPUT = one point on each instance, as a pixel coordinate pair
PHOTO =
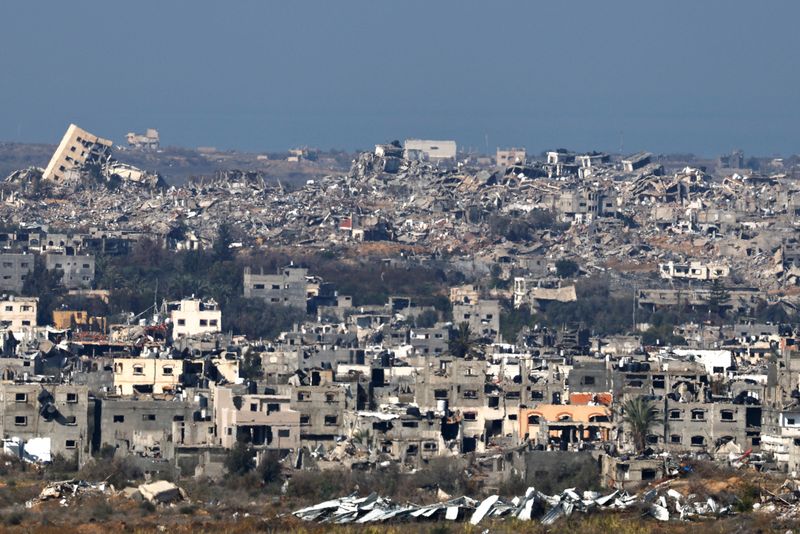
(591, 398)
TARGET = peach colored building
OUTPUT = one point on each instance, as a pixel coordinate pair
(567, 422)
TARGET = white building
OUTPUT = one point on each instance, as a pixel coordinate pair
(785, 445)
(192, 317)
(694, 270)
(434, 151)
(510, 156)
(716, 362)
(149, 140)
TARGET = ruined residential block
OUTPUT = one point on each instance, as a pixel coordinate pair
(64, 413)
(78, 269)
(411, 439)
(536, 291)
(144, 426)
(18, 313)
(694, 270)
(483, 317)
(592, 160)
(630, 474)
(430, 341)
(561, 155)
(451, 383)
(265, 421)
(563, 426)
(321, 408)
(289, 287)
(146, 375)
(586, 204)
(20, 368)
(589, 376)
(467, 294)
(13, 270)
(740, 299)
(636, 161)
(434, 151)
(149, 140)
(706, 426)
(77, 148)
(194, 317)
(510, 156)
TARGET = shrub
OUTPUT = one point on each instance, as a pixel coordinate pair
(269, 471)
(566, 268)
(118, 471)
(102, 511)
(746, 497)
(15, 517)
(239, 460)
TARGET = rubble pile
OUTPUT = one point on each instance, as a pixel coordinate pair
(622, 221)
(660, 504)
(66, 490)
(162, 492)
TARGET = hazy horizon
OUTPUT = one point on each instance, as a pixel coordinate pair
(678, 77)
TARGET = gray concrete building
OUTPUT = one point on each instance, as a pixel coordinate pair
(144, 426)
(289, 286)
(78, 269)
(13, 270)
(63, 413)
(483, 317)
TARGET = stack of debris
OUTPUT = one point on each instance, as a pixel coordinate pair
(162, 492)
(66, 490)
(373, 508)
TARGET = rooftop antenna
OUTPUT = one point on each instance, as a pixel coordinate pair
(486, 139)
(621, 142)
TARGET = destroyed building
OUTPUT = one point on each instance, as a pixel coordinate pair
(289, 286)
(149, 140)
(13, 270)
(18, 313)
(434, 151)
(77, 148)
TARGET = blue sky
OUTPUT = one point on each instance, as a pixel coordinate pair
(678, 76)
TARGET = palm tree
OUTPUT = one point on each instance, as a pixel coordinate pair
(463, 344)
(640, 413)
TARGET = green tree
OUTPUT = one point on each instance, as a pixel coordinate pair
(566, 268)
(512, 320)
(240, 459)
(640, 413)
(718, 298)
(426, 319)
(46, 285)
(222, 243)
(251, 368)
(463, 344)
(269, 470)
(258, 319)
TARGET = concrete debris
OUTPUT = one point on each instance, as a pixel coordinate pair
(162, 492)
(66, 490)
(532, 505)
